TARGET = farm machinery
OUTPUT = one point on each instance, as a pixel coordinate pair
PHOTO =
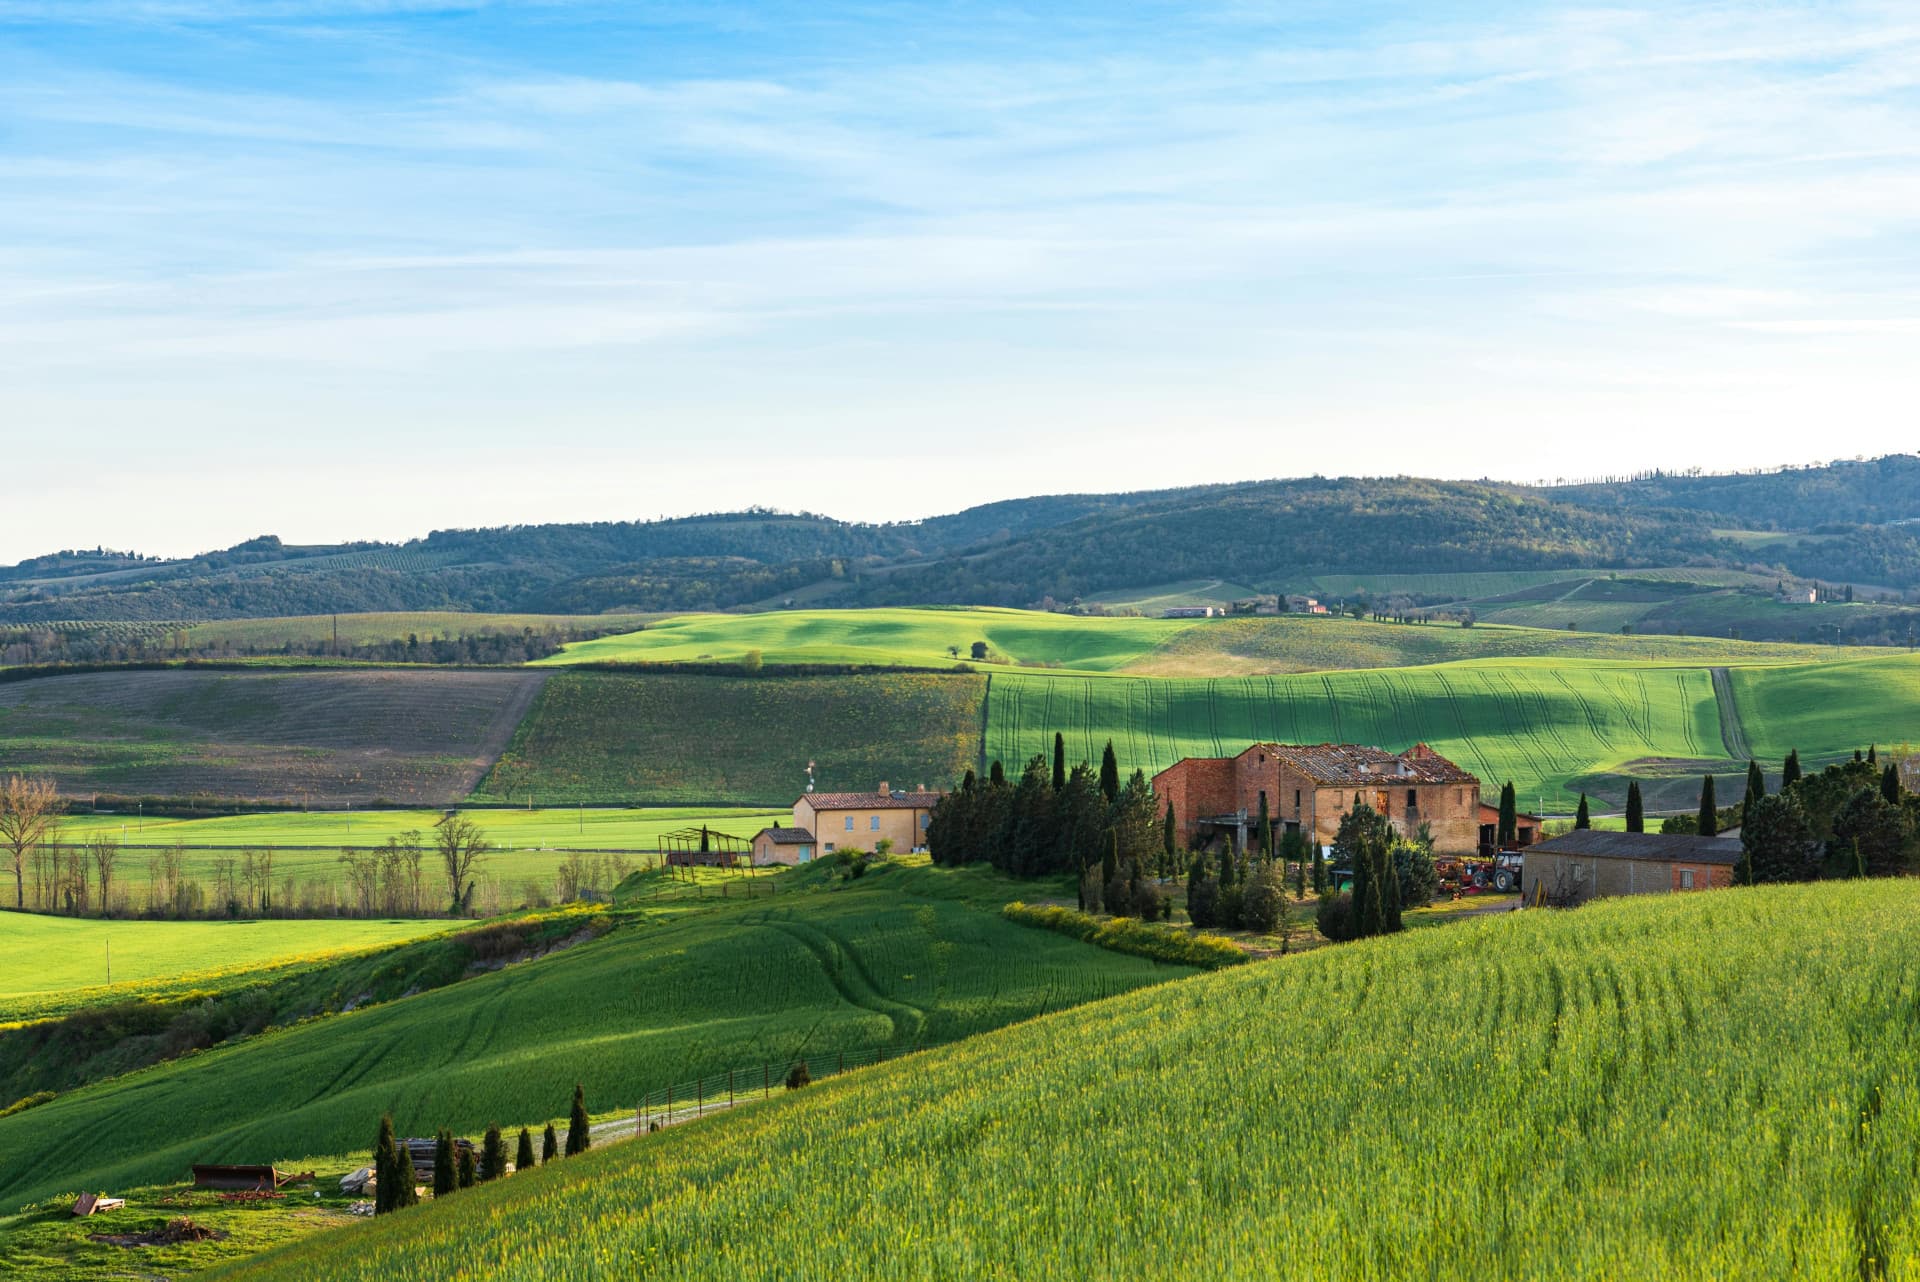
(1472, 875)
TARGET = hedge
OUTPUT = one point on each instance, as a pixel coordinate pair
(1125, 935)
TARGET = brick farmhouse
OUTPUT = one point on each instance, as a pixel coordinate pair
(824, 822)
(1586, 864)
(1308, 788)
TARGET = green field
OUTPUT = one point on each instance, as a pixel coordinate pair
(530, 845)
(375, 629)
(49, 965)
(902, 954)
(1165, 596)
(907, 637)
(602, 736)
(1541, 723)
(1691, 1087)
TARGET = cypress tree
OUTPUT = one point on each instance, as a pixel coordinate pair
(1873, 755)
(1265, 830)
(1389, 890)
(1709, 822)
(1581, 817)
(1790, 772)
(1110, 775)
(549, 1145)
(1509, 830)
(444, 1176)
(578, 1137)
(1756, 789)
(463, 1165)
(493, 1154)
(1226, 864)
(1110, 863)
(1636, 815)
(1059, 761)
(1319, 866)
(1167, 838)
(1890, 784)
(392, 1172)
(997, 775)
(523, 1160)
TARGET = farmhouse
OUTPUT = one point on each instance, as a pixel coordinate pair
(1188, 612)
(824, 822)
(1526, 829)
(1308, 789)
(1586, 864)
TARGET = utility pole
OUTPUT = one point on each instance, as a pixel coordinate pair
(109, 963)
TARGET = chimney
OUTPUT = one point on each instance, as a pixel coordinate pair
(884, 790)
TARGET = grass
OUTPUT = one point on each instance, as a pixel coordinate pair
(1163, 596)
(902, 954)
(1829, 712)
(1687, 1087)
(379, 628)
(906, 636)
(602, 736)
(52, 965)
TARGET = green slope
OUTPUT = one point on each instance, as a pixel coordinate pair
(603, 736)
(911, 637)
(1691, 1087)
(900, 955)
(1826, 711)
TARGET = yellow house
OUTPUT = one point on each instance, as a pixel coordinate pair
(861, 820)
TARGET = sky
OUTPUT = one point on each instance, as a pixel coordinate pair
(343, 269)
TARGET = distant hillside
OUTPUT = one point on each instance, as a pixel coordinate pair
(1844, 524)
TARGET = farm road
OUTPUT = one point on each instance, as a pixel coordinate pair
(1732, 735)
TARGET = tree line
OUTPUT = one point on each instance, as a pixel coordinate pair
(456, 1166)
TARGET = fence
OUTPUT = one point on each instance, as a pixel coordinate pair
(685, 1101)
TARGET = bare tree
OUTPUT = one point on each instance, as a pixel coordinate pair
(29, 815)
(104, 851)
(363, 872)
(410, 855)
(461, 845)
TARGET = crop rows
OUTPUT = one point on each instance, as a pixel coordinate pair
(1689, 1088)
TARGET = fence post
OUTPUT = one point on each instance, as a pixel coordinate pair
(699, 1096)
(668, 1120)
(639, 1121)
(766, 1080)
(843, 1063)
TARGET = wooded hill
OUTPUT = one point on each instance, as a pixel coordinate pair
(1845, 523)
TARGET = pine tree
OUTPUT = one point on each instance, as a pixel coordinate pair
(444, 1175)
(1509, 829)
(1581, 817)
(549, 1145)
(1059, 761)
(1790, 772)
(1636, 814)
(1709, 822)
(493, 1154)
(1756, 789)
(578, 1137)
(523, 1160)
(466, 1175)
(1110, 775)
(1890, 784)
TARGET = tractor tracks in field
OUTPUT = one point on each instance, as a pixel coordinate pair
(1732, 734)
(849, 977)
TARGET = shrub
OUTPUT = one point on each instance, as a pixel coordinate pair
(799, 1076)
(1263, 899)
(1335, 918)
(1124, 935)
(26, 1102)
(465, 1167)
(1203, 901)
(1227, 910)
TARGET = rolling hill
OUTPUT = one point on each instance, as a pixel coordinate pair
(900, 956)
(1692, 1087)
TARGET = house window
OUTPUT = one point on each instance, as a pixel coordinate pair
(924, 821)
(1686, 879)
(849, 823)
(828, 847)
(1413, 800)
(873, 823)
(1296, 800)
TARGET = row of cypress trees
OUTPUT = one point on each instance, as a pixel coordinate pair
(454, 1165)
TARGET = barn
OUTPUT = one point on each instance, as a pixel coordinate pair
(1586, 864)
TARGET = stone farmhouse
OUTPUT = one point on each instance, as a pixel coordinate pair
(1308, 788)
(824, 822)
(1586, 864)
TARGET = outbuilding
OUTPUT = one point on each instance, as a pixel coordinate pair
(1587, 864)
(782, 846)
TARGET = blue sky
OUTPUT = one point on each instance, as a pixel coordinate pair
(361, 268)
